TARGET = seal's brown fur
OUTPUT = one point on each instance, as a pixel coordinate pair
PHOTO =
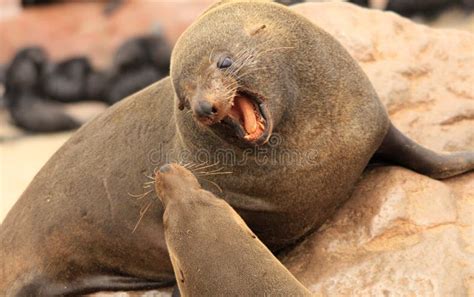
(324, 110)
(71, 230)
(213, 251)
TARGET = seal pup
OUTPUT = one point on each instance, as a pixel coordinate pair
(66, 81)
(138, 62)
(266, 82)
(2, 86)
(25, 98)
(212, 250)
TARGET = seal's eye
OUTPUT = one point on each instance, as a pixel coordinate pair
(224, 62)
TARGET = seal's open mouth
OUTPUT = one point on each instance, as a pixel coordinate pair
(249, 118)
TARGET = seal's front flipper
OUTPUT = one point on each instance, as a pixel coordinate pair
(90, 285)
(399, 149)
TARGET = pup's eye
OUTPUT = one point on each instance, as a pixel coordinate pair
(224, 62)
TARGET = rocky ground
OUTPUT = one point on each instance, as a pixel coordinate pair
(401, 234)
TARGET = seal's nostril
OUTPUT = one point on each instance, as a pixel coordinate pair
(165, 168)
(205, 109)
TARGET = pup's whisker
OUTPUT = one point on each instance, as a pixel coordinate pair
(215, 170)
(142, 214)
(215, 184)
(204, 167)
(149, 176)
(196, 165)
(186, 165)
(215, 173)
(140, 196)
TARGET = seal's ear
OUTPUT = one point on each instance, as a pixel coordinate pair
(255, 29)
(181, 103)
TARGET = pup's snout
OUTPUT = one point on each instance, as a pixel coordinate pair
(166, 168)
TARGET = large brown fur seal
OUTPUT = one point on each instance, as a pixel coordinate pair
(213, 251)
(295, 114)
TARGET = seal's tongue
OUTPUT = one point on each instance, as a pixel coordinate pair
(243, 109)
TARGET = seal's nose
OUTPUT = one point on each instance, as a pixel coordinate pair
(204, 109)
(165, 168)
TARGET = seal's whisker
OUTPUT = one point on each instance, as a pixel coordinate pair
(239, 53)
(230, 93)
(244, 51)
(214, 183)
(142, 214)
(231, 85)
(231, 82)
(244, 63)
(249, 61)
(240, 61)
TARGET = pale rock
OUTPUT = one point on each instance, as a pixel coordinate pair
(401, 233)
(423, 76)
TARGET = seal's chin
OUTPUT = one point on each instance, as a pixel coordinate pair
(249, 118)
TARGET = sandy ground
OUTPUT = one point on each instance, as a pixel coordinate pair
(21, 156)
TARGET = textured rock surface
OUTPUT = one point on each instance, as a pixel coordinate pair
(401, 234)
(423, 76)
